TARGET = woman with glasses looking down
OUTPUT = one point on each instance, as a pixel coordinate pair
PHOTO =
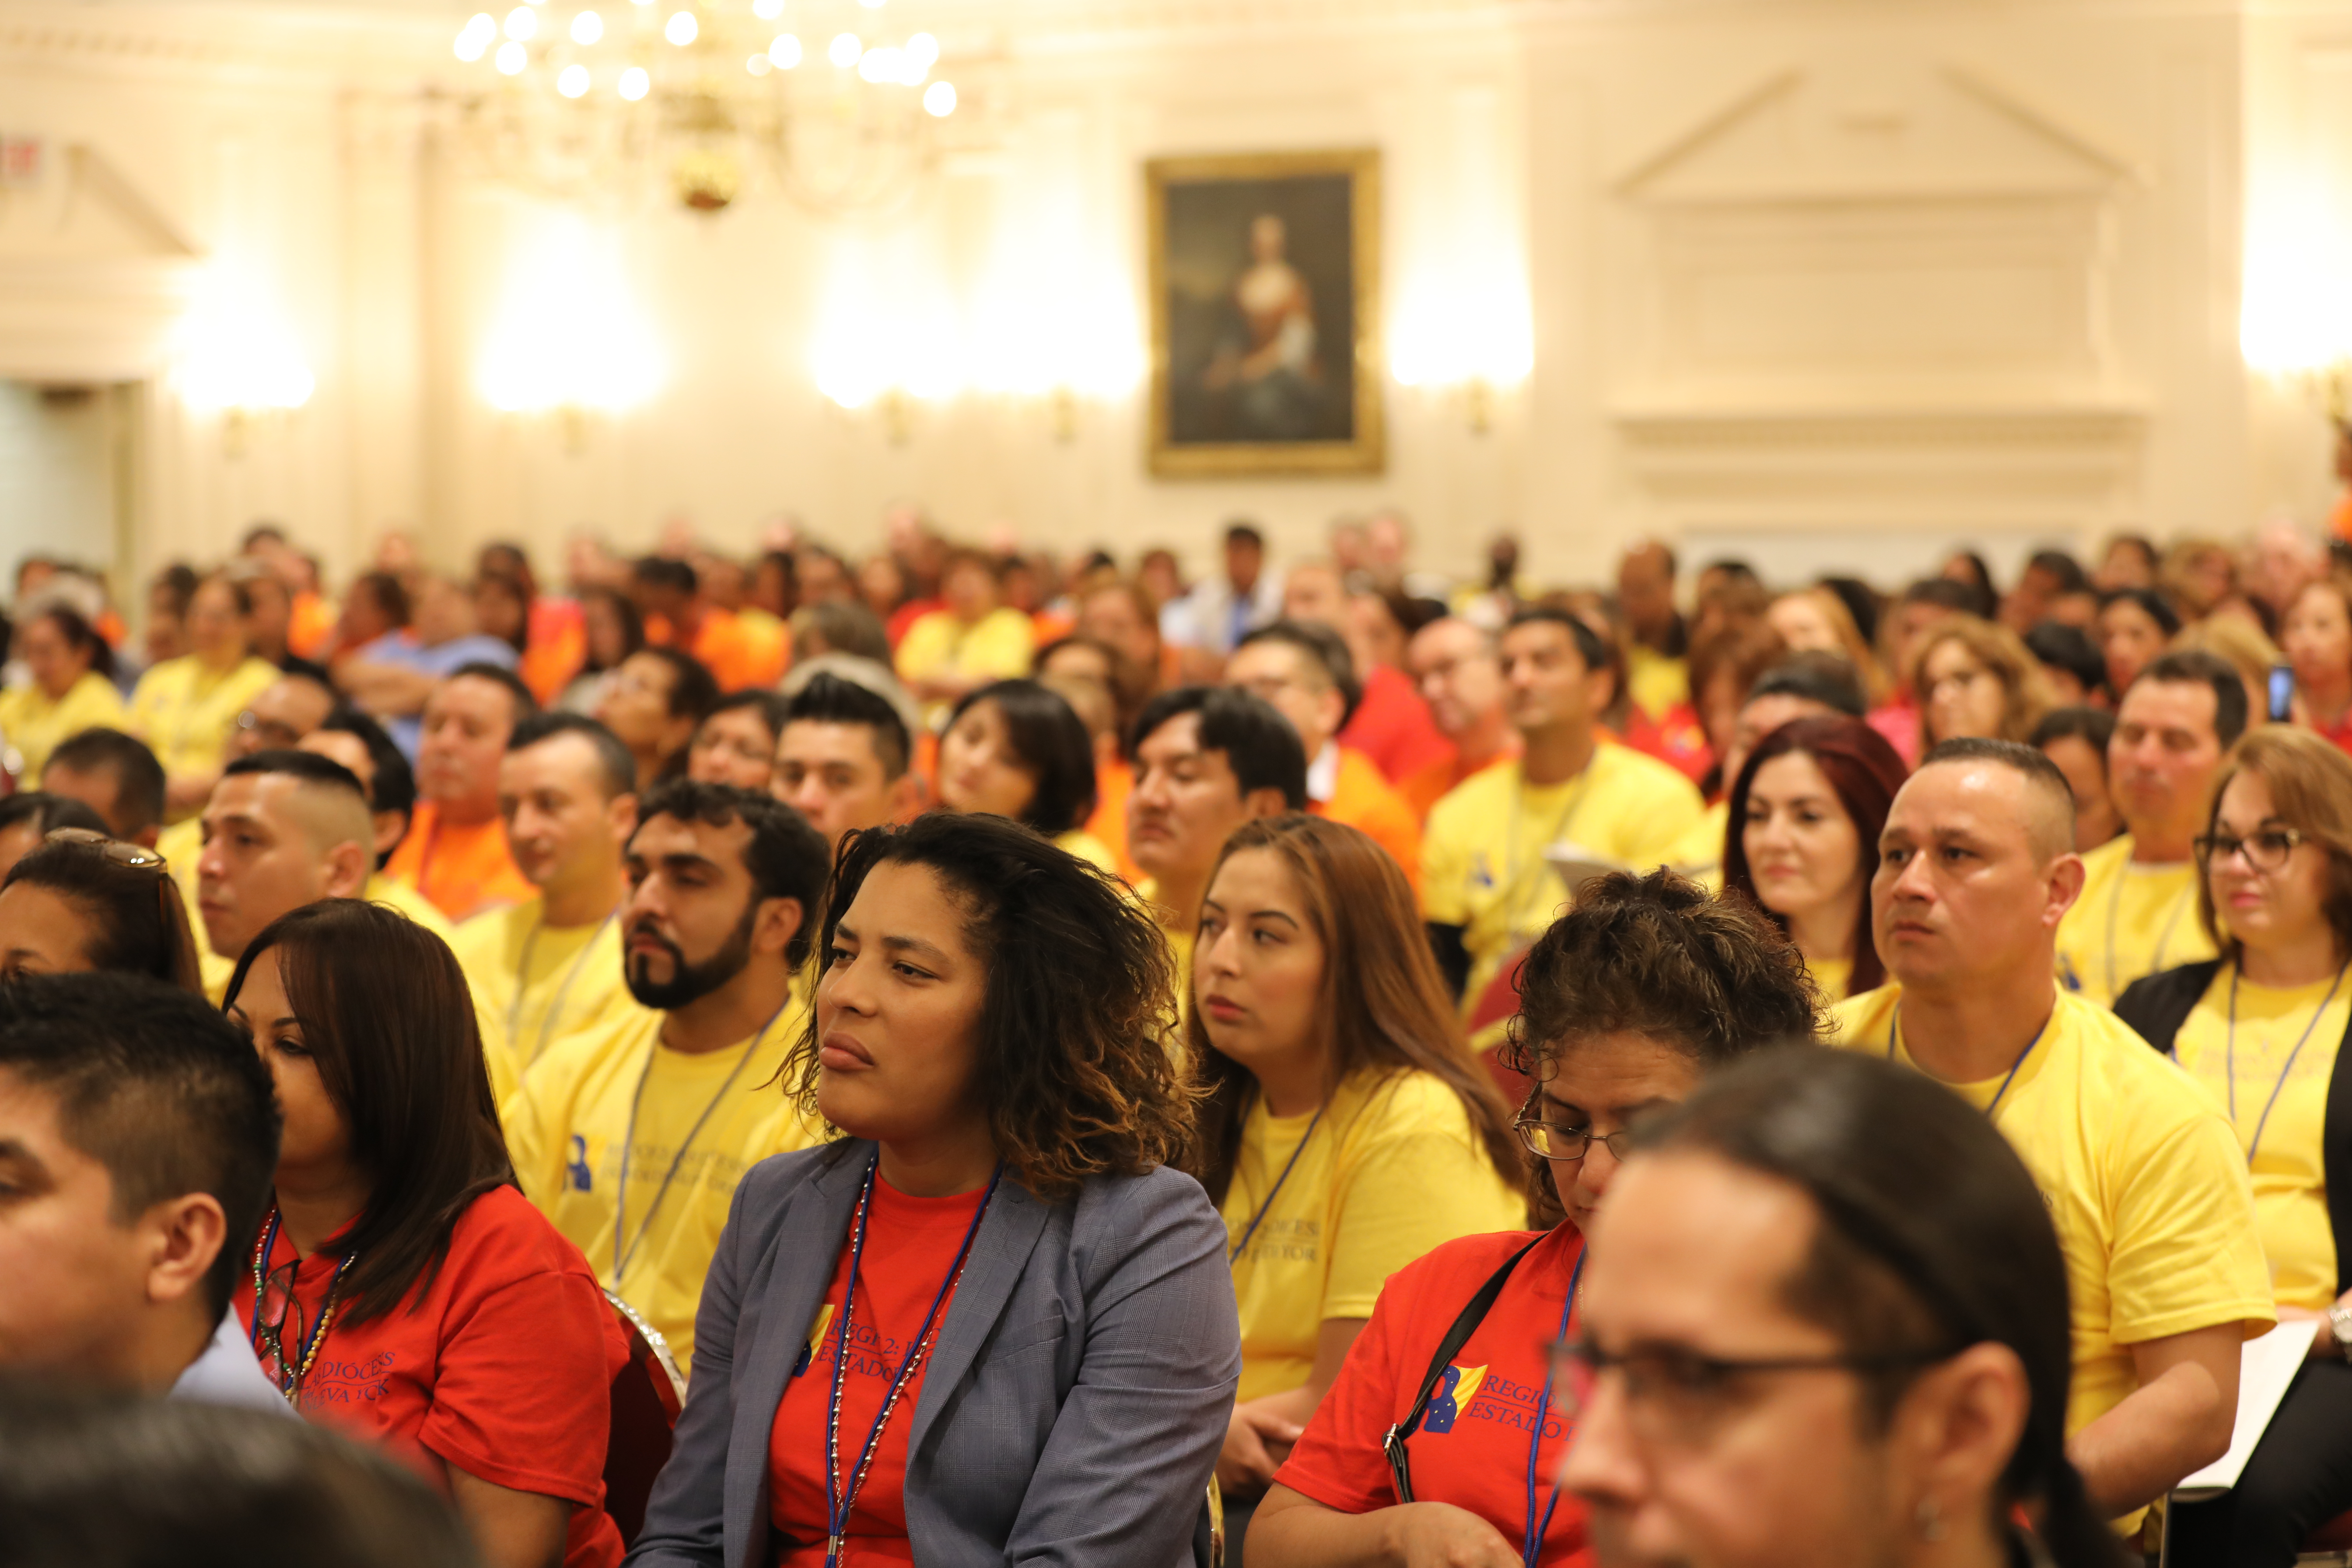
(1438, 1442)
(2264, 1027)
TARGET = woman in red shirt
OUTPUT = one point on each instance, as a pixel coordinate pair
(1626, 1002)
(407, 1292)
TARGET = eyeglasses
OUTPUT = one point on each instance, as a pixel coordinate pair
(1568, 1144)
(277, 1321)
(1676, 1397)
(1959, 680)
(115, 849)
(275, 733)
(2266, 850)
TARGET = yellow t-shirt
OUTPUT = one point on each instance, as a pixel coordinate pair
(1831, 976)
(1654, 681)
(614, 1088)
(1089, 849)
(2131, 920)
(571, 978)
(996, 646)
(1392, 1171)
(1482, 865)
(2290, 1178)
(32, 725)
(184, 709)
(2143, 1179)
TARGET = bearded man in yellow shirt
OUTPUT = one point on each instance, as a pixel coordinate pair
(632, 1135)
(2142, 1174)
(2137, 914)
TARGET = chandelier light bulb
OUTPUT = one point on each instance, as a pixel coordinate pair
(572, 81)
(923, 51)
(845, 50)
(474, 39)
(783, 51)
(759, 65)
(681, 28)
(635, 83)
(767, 10)
(522, 23)
(587, 27)
(939, 98)
(511, 57)
(880, 64)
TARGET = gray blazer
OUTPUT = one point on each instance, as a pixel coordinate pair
(1072, 1407)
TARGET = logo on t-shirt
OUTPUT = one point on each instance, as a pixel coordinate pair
(817, 1338)
(576, 1176)
(1455, 1390)
(1482, 874)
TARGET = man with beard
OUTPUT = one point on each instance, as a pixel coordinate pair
(631, 1135)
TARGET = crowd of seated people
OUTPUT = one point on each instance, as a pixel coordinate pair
(1061, 1064)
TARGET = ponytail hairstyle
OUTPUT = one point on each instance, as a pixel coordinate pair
(1932, 1238)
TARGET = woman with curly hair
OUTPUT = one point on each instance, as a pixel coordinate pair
(989, 1322)
(1349, 1129)
(1978, 679)
(1436, 1443)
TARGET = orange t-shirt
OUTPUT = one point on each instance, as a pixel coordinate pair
(555, 646)
(461, 869)
(1363, 800)
(309, 624)
(1114, 782)
(910, 1253)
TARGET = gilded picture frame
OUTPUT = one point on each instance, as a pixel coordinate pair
(1265, 282)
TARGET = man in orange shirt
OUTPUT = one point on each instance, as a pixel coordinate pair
(456, 852)
(1305, 672)
(676, 615)
(1460, 674)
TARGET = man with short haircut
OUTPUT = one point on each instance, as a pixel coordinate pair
(1486, 890)
(2138, 913)
(1657, 662)
(1207, 760)
(1461, 678)
(1811, 685)
(2144, 1177)
(138, 1140)
(360, 743)
(631, 1136)
(2049, 576)
(281, 713)
(550, 965)
(456, 852)
(282, 829)
(1206, 624)
(844, 759)
(1305, 673)
(114, 774)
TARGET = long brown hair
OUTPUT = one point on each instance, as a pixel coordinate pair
(2311, 792)
(386, 1014)
(1384, 1007)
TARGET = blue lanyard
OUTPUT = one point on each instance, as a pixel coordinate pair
(1895, 1022)
(1258, 1218)
(2231, 1058)
(1531, 1543)
(837, 1503)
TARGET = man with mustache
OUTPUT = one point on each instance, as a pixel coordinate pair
(631, 1135)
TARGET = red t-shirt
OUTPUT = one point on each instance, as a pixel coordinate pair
(1392, 726)
(910, 1250)
(502, 1367)
(1471, 1450)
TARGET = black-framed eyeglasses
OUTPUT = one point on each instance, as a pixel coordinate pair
(1674, 1396)
(137, 856)
(1548, 1141)
(2265, 848)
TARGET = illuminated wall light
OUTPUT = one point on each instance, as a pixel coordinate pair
(939, 98)
(522, 23)
(845, 49)
(238, 352)
(767, 10)
(573, 80)
(569, 335)
(887, 329)
(634, 83)
(783, 51)
(681, 28)
(2292, 315)
(587, 27)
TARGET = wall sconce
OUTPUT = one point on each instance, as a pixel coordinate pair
(568, 341)
(238, 357)
(2294, 324)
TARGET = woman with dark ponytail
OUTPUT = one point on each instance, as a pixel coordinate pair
(1826, 1321)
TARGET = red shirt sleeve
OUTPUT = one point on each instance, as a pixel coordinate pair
(1338, 1461)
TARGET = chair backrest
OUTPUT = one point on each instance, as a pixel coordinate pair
(648, 1395)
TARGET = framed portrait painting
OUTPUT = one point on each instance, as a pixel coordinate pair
(1264, 313)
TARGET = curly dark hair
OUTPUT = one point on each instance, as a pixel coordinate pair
(1655, 955)
(1080, 1007)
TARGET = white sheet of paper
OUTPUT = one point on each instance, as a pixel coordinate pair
(2265, 1367)
(1577, 864)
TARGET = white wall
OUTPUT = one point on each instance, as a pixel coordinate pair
(1829, 281)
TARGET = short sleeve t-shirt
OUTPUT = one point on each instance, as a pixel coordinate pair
(1471, 1448)
(2280, 1093)
(2143, 1178)
(1482, 860)
(1392, 1169)
(501, 1365)
(534, 983)
(2131, 920)
(912, 1245)
(696, 1121)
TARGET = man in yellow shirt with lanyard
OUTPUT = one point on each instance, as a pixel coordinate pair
(2142, 1174)
(550, 965)
(2137, 914)
(631, 1136)
(1486, 890)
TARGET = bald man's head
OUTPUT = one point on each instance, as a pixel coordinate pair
(283, 829)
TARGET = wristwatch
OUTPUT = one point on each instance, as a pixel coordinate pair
(2339, 1325)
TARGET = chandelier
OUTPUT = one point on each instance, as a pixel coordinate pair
(809, 96)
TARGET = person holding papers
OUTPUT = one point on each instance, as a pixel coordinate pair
(2262, 1028)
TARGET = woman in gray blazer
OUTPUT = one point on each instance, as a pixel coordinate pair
(991, 1323)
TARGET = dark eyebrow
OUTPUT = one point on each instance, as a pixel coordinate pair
(1283, 915)
(683, 858)
(916, 945)
(16, 1150)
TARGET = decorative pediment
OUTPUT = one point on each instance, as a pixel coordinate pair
(93, 276)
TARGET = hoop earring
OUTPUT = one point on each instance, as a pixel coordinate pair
(1931, 1520)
